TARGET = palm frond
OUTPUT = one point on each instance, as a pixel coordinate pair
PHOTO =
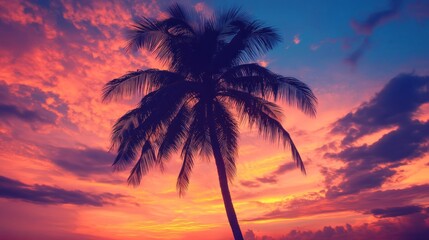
(226, 17)
(297, 93)
(159, 108)
(259, 112)
(146, 161)
(256, 79)
(175, 134)
(250, 40)
(150, 34)
(251, 78)
(186, 169)
(178, 12)
(139, 82)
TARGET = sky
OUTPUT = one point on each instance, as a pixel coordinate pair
(366, 151)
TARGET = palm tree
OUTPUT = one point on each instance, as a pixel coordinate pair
(196, 105)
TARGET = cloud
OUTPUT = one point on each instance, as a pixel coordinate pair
(296, 39)
(267, 179)
(363, 202)
(368, 166)
(409, 227)
(203, 9)
(81, 162)
(396, 211)
(44, 107)
(271, 177)
(250, 184)
(356, 180)
(286, 167)
(43, 194)
(357, 54)
(375, 19)
(367, 26)
(263, 63)
(385, 108)
(407, 142)
(249, 235)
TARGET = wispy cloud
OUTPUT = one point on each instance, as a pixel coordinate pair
(375, 19)
(43, 194)
(367, 26)
(357, 54)
(82, 162)
(270, 178)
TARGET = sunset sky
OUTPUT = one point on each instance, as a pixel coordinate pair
(366, 152)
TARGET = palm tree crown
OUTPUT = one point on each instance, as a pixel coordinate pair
(210, 86)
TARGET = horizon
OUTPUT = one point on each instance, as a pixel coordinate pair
(365, 152)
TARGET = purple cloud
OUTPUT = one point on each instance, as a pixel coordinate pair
(250, 184)
(286, 167)
(375, 19)
(367, 26)
(396, 211)
(271, 177)
(267, 179)
(43, 194)
(363, 202)
(14, 99)
(386, 109)
(369, 166)
(409, 227)
(357, 54)
(81, 162)
(355, 181)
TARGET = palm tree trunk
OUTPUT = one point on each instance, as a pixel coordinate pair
(223, 182)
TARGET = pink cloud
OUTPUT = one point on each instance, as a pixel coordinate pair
(296, 39)
(263, 63)
(202, 8)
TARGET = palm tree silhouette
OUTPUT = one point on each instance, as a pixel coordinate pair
(195, 106)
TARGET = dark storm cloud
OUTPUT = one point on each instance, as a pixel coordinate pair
(377, 18)
(43, 194)
(82, 162)
(368, 166)
(29, 104)
(396, 211)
